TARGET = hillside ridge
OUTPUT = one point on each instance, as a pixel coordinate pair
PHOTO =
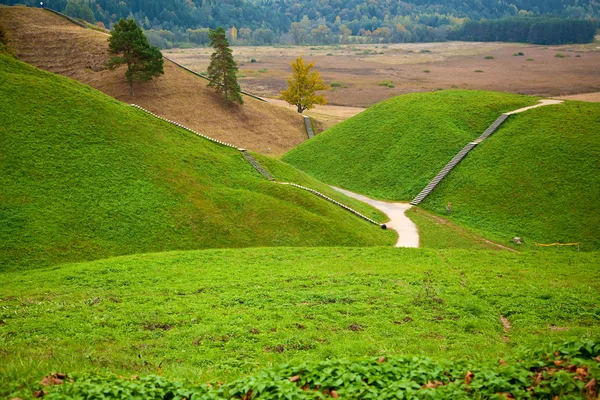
(50, 42)
(84, 176)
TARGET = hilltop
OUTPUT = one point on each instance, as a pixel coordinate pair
(393, 149)
(83, 176)
(49, 42)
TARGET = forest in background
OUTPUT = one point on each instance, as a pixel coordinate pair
(181, 23)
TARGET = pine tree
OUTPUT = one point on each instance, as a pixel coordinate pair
(303, 85)
(222, 68)
(132, 48)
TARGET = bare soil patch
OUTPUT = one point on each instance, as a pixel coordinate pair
(360, 68)
(50, 42)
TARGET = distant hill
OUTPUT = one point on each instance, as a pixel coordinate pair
(537, 178)
(393, 149)
(83, 176)
(50, 42)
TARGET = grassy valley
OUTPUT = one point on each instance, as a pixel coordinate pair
(140, 261)
(85, 176)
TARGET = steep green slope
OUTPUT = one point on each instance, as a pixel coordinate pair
(83, 176)
(394, 148)
(220, 314)
(537, 178)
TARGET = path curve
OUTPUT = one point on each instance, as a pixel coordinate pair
(408, 235)
(541, 103)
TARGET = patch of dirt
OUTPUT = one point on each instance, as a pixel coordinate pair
(52, 43)
(505, 323)
(154, 326)
(589, 97)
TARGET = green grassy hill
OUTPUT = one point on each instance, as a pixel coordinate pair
(393, 149)
(537, 178)
(83, 176)
(221, 314)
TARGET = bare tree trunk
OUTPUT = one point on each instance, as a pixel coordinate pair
(131, 88)
(300, 109)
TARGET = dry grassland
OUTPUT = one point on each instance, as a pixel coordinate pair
(52, 43)
(360, 68)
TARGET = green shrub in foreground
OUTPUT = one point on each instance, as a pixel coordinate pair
(569, 371)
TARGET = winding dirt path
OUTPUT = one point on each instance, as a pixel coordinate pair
(408, 235)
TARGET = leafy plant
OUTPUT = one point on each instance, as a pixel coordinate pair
(537, 374)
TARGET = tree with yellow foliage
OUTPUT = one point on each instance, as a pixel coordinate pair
(303, 85)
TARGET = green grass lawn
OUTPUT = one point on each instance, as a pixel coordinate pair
(536, 178)
(393, 149)
(83, 176)
(221, 314)
(438, 233)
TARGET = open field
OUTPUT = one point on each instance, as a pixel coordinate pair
(451, 65)
(52, 43)
(221, 314)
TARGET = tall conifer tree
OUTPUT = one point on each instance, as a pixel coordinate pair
(131, 47)
(222, 68)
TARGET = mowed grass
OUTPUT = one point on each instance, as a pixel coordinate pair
(393, 149)
(221, 314)
(536, 178)
(83, 176)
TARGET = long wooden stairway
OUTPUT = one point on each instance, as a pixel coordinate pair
(458, 158)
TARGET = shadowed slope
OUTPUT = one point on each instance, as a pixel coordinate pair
(50, 42)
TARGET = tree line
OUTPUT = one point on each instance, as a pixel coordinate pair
(315, 22)
(528, 30)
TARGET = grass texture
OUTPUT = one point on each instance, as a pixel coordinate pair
(221, 314)
(83, 176)
(536, 178)
(393, 149)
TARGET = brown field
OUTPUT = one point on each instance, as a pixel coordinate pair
(450, 65)
(50, 42)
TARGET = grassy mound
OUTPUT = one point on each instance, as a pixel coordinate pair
(393, 149)
(50, 42)
(83, 176)
(221, 314)
(536, 178)
(570, 370)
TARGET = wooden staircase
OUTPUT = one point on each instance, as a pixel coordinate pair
(458, 158)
